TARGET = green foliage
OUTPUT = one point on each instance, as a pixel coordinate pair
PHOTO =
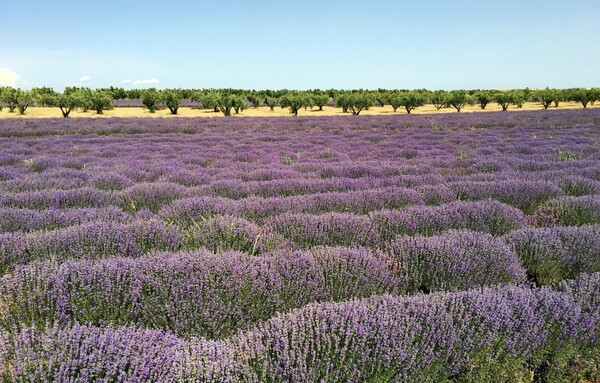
(23, 98)
(208, 99)
(9, 95)
(383, 98)
(66, 102)
(227, 102)
(295, 101)
(411, 100)
(172, 99)
(504, 99)
(545, 97)
(483, 98)
(565, 155)
(582, 96)
(320, 100)
(99, 100)
(355, 102)
(151, 98)
(458, 99)
(271, 102)
(255, 99)
(439, 99)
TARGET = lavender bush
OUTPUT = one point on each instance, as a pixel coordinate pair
(551, 255)
(456, 260)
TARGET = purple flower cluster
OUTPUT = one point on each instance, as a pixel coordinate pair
(196, 293)
(438, 337)
(569, 211)
(331, 229)
(90, 241)
(457, 260)
(551, 255)
(485, 216)
(525, 195)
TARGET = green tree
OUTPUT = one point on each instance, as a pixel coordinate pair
(458, 99)
(227, 102)
(545, 97)
(255, 99)
(295, 101)
(172, 99)
(411, 100)
(382, 98)
(208, 99)
(24, 99)
(151, 98)
(99, 100)
(239, 104)
(66, 102)
(42, 95)
(439, 99)
(483, 98)
(560, 95)
(9, 95)
(356, 102)
(582, 96)
(504, 99)
(395, 100)
(271, 102)
(320, 100)
(519, 96)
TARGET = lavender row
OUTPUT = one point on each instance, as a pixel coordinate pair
(198, 293)
(518, 332)
(558, 118)
(552, 255)
(90, 241)
(213, 295)
(188, 210)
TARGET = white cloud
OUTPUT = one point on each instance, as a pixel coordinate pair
(8, 77)
(84, 78)
(147, 81)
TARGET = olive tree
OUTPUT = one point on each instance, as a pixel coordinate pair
(320, 100)
(151, 98)
(483, 98)
(255, 99)
(458, 99)
(99, 101)
(208, 99)
(65, 102)
(239, 104)
(439, 99)
(545, 97)
(411, 100)
(582, 96)
(227, 102)
(172, 99)
(383, 98)
(295, 101)
(24, 98)
(504, 99)
(9, 96)
(355, 102)
(271, 102)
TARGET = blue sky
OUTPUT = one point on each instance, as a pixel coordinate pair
(432, 44)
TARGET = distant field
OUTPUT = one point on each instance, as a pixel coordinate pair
(42, 112)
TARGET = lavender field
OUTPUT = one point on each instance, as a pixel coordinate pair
(430, 248)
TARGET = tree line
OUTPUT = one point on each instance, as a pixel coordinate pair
(227, 101)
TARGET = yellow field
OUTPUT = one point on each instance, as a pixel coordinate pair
(35, 112)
